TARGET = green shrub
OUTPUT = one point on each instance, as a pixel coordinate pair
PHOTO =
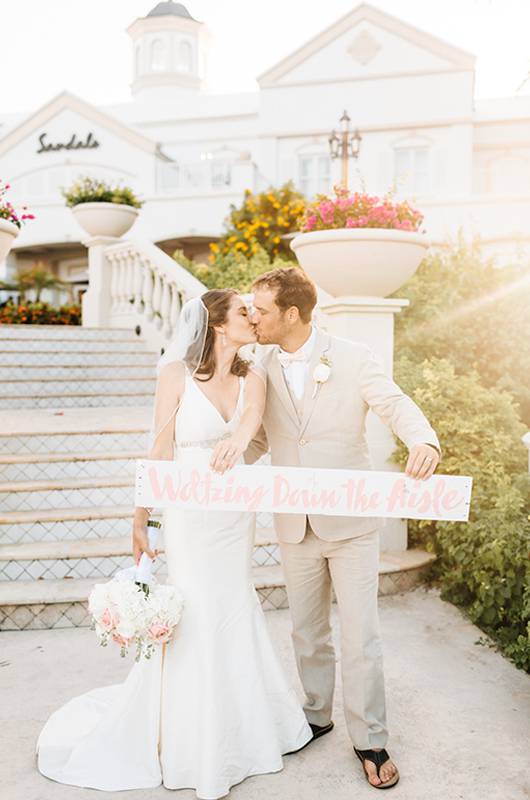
(466, 309)
(260, 222)
(231, 270)
(39, 314)
(93, 190)
(483, 566)
(36, 279)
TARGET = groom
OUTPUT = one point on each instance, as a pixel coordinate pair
(323, 425)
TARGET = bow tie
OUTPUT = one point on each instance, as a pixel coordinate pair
(288, 358)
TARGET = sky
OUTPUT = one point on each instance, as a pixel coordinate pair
(81, 45)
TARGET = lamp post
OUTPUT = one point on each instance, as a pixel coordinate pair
(345, 145)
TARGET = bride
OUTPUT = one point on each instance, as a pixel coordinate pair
(212, 706)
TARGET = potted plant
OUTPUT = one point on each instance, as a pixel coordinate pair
(10, 222)
(358, 244)
(102, 209)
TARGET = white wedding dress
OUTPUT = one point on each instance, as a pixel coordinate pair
(212, 706)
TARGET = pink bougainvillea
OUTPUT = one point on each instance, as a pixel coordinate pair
(359, 210)
(8, 212)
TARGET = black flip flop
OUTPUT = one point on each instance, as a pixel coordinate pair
(377, 757)
(318, 730)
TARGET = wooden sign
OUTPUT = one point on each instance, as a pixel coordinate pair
(302, 490)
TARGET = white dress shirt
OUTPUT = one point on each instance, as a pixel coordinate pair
(296, 372)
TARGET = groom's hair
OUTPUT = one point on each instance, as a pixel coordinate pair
(291, 287)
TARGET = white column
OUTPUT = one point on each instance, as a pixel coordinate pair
(371, 320)
(96, 300)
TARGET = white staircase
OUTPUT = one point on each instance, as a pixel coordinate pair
(68, 366)
(75, 410)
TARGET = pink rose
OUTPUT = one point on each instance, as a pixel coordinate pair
(106, 619)
(120, 639)
(311, 221)
(160, 633)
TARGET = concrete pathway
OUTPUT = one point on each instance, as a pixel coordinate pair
(458, 712)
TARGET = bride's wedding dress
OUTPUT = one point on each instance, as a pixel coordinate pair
(212, 706)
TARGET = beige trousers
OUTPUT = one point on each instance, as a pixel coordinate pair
(311, 567)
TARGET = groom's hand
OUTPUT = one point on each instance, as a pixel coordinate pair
(422, 461)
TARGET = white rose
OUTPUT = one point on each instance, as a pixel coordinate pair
(321, 373)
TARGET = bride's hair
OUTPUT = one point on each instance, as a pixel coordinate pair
(217, 302)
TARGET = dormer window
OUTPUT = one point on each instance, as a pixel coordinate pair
(156, 61)
(185, 57)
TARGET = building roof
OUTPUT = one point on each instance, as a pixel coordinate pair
(170, 9)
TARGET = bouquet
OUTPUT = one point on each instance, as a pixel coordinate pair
(132, 608)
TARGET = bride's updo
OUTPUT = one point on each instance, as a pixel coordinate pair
(217, 302)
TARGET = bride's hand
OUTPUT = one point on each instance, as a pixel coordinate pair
(226, 453)
(140, 544)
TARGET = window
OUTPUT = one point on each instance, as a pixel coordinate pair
(169, 175)
(185, 57)
(156, 60)
(411, 170)
(221, 173)
(314, 174)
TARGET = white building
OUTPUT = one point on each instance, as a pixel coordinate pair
(190, 154)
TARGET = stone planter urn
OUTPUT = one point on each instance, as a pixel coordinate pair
(366, 262)
(8, 233)
(105, 219)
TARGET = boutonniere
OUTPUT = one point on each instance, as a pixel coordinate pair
(321, 373)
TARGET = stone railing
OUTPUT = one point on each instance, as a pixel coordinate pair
(134, 283)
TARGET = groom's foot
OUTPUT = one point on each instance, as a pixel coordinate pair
(388, 771)
(318, 730)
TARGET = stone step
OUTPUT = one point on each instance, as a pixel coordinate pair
(84, 558)
(60, 332)
(47, 346)
(56, 466)
(22, 372)
(26, 605)
(54, 387)
(84, 357)
(74, 430)
(33, 604)
(65, 523)
(46, 494)
(85, 400)
(74, 523)
(66, 443)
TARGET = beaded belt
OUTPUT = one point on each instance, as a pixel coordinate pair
(203, 442)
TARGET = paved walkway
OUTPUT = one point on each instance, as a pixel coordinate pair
(458, 713)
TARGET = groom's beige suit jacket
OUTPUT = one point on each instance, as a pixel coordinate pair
(328, 429)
